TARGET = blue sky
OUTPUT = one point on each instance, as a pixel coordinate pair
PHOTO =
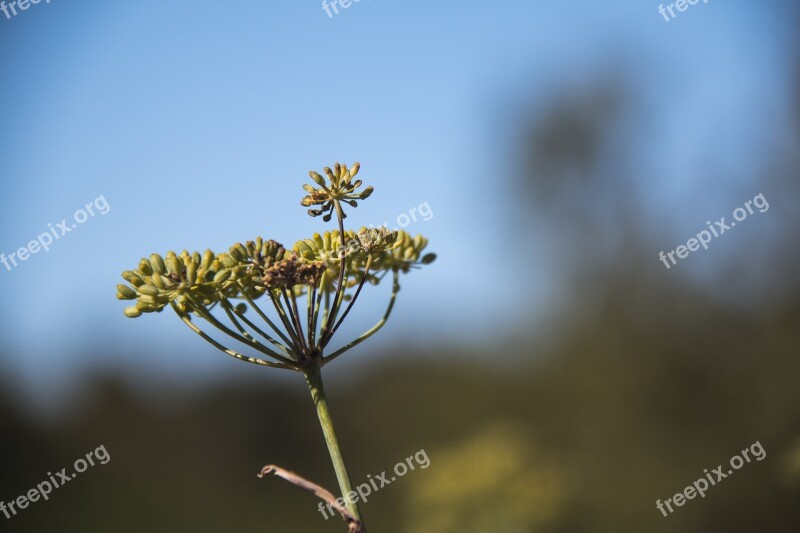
(198, 121)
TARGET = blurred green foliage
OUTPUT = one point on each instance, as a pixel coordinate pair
(584, 438)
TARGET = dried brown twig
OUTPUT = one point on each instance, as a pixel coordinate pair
(354, 525)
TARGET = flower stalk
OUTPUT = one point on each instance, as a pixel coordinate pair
(325, 271)
(317, 389)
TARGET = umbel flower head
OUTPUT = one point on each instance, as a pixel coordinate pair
(339, 187)
(284, 303)
(326, 272)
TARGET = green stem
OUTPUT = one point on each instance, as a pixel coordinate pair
(314, 379)
(330, 319)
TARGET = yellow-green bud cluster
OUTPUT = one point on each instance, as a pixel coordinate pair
(247, 264)
(338, 187)
(389, 250)
(407, 253)
(180, 278)
(193, 280)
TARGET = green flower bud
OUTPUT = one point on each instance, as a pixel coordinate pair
(304, 250)
(174, 265)
(158, 281)
(145, 268)
(227, 260)
(133, 278)
(125, 293)
(148, 290)
(146, 307)
(191, 273)
(152, 300)
(157, 264)
(132, 312)
(222, 276)
(317, 178)
(366, 193)
(208, 257)
(240, 252)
